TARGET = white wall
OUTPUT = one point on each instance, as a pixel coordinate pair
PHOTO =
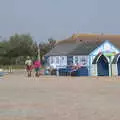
(114, 70)
(93, 70)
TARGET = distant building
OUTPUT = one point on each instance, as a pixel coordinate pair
(97, 57)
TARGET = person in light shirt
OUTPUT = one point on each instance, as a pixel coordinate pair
(29, 66)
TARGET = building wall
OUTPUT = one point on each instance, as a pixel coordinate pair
(63, 61)
(82, 62)
(114, 70)
(106, 48)
(94, 70)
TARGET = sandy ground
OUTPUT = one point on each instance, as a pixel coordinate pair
(59, 98)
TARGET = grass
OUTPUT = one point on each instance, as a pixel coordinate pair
(12, 66)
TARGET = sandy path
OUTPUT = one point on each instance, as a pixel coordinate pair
(59, 98)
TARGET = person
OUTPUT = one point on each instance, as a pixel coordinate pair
(37, 65)
(28, 64)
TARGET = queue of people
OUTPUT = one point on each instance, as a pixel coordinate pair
(30, 65)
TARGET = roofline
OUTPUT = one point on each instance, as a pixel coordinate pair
(113, 45)
(97, 47)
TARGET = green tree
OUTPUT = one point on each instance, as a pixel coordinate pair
(16, 46)
(46, 47)
(23, 45)
(51, 43)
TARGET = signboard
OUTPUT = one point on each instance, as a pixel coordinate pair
(109, 53)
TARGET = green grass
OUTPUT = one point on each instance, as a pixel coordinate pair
(13, 67)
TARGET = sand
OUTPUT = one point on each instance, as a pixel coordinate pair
(59, 98)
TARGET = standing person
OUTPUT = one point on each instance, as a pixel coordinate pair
(28, 64)
(37, 65)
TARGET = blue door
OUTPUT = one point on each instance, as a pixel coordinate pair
(103, 66)
(118, 66)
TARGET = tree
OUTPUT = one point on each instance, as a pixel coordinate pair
(51, 43)
(46, 47)
(16, 46)
(23, 45)
(19, 46)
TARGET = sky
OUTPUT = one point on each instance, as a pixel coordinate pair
(58, 19)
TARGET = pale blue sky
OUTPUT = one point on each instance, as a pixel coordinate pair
(58, 18)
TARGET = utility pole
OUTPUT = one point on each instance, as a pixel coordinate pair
(39, 53)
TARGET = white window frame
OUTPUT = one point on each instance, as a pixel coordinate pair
(51, 59)
(80, 61)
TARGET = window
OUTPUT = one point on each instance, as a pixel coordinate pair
(52, 60)
(70, 60)
(83, 59)
(57, 60)
(63, 58)
(76, 60)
